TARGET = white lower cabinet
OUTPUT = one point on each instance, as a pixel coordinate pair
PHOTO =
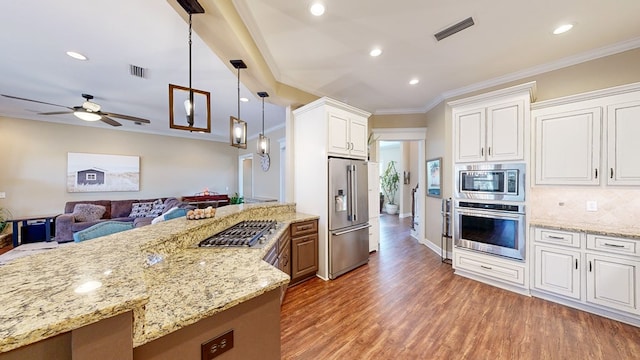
(613, 282)
(600, 275)
(492, 268)
(557, 271)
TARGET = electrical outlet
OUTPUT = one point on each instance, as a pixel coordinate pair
(592, 205)
(3, 195)
(217, 346)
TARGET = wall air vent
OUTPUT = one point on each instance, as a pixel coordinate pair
(137, 71)
(454, 29)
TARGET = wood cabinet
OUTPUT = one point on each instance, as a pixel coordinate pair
(573, 135)
(304, 250)
(598, 271)
(492, 133)
(623, 131)
(347, 134)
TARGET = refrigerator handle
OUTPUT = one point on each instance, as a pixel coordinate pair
(349, 193)
(338, 233)
(354, 197)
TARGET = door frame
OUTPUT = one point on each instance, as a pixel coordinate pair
(408, 134)
(241, 158)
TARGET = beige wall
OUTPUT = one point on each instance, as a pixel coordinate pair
(397, 121)
(266, 185)
(34, 164)
(438, 145)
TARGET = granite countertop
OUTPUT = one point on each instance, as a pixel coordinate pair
(155, 271)
(586, 228)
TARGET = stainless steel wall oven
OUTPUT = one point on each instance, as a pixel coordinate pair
(491, 227)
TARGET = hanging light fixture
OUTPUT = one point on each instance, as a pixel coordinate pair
(238, 128)
(176, 120)
(263, 141)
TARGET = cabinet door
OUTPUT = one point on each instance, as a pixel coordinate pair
(304, 256)
(557, 271)
(612, 282)
(568, 148)
(358, 137)
(338, 134)
(505, 132)
(623, 125)
(470, 135)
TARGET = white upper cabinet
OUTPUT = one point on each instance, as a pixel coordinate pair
(491, 127)
(568, 147)
(581, 139)
(347, 134)
(623, 134)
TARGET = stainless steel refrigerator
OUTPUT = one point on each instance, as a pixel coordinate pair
(348, 215)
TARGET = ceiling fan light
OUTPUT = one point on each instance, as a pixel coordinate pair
(86, 116)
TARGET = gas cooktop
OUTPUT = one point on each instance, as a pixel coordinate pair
(252, 233)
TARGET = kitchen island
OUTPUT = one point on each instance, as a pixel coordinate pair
(151, 280)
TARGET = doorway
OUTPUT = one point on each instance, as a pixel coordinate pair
(410, 148)
(245, 176)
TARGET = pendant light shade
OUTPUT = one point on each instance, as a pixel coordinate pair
(238, 128)
(263, 141)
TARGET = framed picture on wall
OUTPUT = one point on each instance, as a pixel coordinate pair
(434, 177)
(100, 172)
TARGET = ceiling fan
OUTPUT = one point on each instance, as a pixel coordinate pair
(88, 111)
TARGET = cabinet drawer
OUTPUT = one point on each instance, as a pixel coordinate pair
(613, 245)
(303, 228)
(485, 266)
(557, 237)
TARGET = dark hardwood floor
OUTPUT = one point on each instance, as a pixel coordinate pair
(407, 304)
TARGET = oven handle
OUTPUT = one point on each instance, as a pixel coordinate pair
(490, 214)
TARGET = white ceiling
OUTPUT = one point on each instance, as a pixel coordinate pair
(328, 55)
(325, 56)
(35, 35)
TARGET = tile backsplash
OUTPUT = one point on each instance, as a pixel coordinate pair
(618, 209)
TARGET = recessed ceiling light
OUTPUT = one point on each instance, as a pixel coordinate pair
(375, 52)
(562, 29)
(76, 55)
(414, 81)
(243, 99)
(317, 9)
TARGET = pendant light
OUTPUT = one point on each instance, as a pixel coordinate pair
(263, 141)
(238, 128)
(191, 7)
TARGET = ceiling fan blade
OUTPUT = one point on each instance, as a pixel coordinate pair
(35, 101)
(110, 121)
(56, 113)
(127, 117)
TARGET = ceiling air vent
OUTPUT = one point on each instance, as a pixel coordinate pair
(138, 71)
(454, 29)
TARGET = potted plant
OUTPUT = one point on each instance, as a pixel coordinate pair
(389, 183)
(4, 216)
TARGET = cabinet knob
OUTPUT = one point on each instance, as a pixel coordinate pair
(482, 151)
(596, 173)
(611, 175)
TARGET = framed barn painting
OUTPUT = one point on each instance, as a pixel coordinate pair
(99, 172)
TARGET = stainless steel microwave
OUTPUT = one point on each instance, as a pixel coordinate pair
(490, 181)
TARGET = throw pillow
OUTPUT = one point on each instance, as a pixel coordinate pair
(157, 208)
(88, 212)
(140, 209)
